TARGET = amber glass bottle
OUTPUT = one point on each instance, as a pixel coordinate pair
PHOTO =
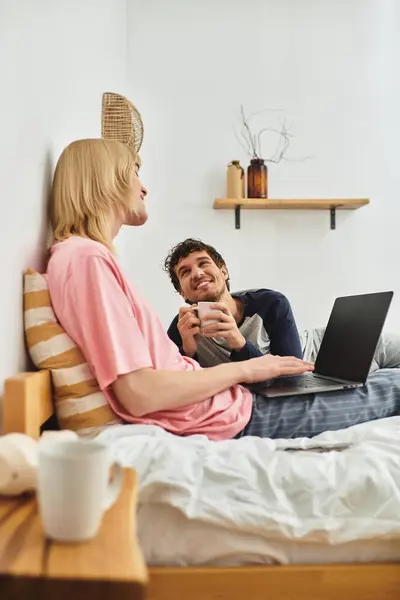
(257, 179)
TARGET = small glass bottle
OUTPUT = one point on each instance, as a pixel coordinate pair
(257, 179)
(235, 180)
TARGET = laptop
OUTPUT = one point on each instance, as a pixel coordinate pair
(347, 348)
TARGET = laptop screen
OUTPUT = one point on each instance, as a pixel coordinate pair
(352, 335)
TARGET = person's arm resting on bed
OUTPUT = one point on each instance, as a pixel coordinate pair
(147, 390)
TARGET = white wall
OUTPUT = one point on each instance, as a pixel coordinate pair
(56, 60)
(333, 65)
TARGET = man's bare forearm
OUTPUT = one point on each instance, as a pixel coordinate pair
(147, 390)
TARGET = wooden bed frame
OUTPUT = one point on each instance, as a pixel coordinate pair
(28, 404)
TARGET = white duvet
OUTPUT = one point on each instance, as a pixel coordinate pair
(252, 501)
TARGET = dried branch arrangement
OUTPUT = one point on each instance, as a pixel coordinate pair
(251, 141)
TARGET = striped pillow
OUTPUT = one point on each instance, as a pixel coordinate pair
(80, 404)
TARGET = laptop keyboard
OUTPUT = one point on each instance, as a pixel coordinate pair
(305, 382)
(312, 382)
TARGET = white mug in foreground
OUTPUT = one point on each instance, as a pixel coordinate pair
(203, 308)
(74, 489)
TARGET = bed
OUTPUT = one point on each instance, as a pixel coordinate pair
(28, 404)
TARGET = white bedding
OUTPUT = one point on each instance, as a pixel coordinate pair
(248, 501)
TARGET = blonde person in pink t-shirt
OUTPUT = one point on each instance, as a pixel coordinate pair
(96, 190)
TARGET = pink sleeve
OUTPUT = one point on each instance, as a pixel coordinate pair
(110, 337)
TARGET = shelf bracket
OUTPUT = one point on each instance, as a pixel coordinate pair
(332, 211)
(333, 217)
(237, 216)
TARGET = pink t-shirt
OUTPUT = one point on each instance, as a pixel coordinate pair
(118, 332)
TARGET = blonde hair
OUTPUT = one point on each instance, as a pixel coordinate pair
(92, 178)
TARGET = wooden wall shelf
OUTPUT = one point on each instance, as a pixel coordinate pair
(331, 204)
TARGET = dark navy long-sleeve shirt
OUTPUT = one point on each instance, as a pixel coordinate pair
(267, 324)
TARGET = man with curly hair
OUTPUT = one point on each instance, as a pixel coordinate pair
(250, 323)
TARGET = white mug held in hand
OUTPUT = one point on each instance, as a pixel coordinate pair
(74, 487)
(203, 308)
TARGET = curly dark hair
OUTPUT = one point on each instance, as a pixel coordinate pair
(182, 250)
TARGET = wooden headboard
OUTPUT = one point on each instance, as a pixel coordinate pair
(27, 403)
